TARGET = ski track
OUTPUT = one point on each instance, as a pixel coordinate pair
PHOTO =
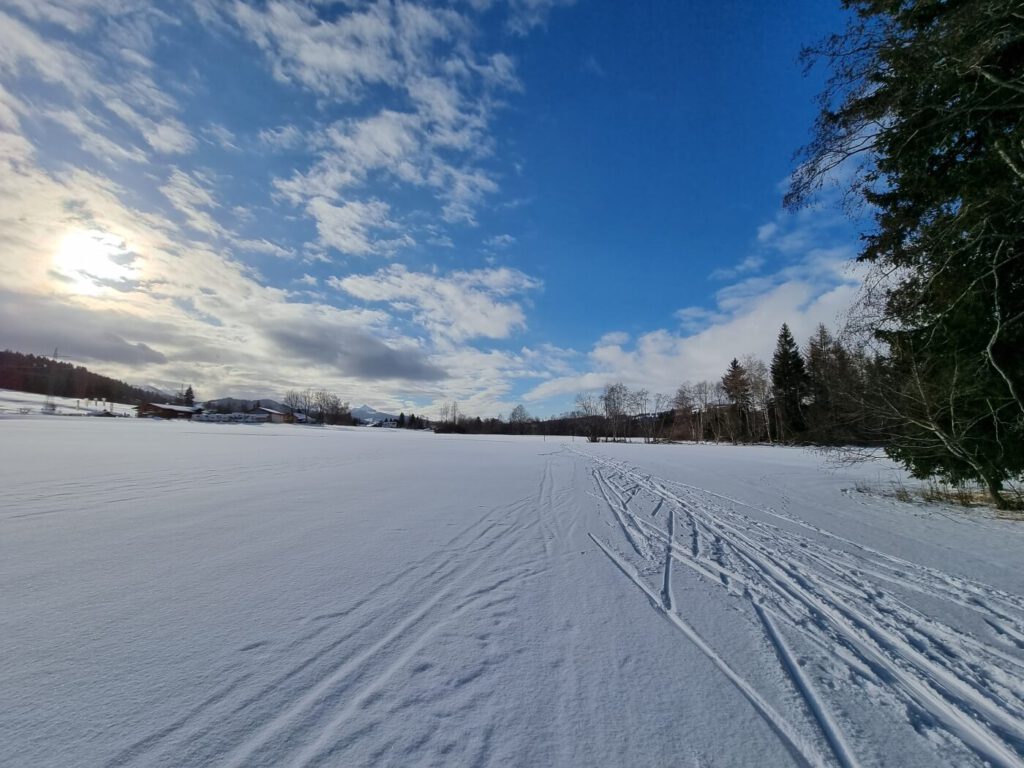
(835, 599)
(300, 717)
(801, 585)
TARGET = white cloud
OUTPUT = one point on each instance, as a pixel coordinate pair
(435, 131)
(282, 137)
(73, 15)
(189, 194)
(524, 15)
(10, 108)
(766, 231)
(462, 305)
(661, 360)
(92, 133)
(349, 228)
(751, 263)
(263, 246)
(340, 57)
(500, 241)
(21, 48)
(221, 136)
(816, 283)
(131, 96)
(169, 136)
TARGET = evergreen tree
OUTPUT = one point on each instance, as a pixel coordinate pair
(928, 95)
(821, 385)
(789, 382)
(401, 420)
(736, 384)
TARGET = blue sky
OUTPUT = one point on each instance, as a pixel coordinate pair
(492, 201)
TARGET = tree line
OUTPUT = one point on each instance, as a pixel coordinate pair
(45, 376)
(412, 421)
(319, 405)
(821, 395)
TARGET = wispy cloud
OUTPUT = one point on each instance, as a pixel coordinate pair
(350, 228)
(190, 194)
(500, 241)
(138, 170)
(433, 138)
(813, 282)
(282, 137)
(458, 306)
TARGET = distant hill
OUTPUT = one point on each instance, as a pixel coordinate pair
(44, 376)
(235, 405)
(159, 395)
(366, 413)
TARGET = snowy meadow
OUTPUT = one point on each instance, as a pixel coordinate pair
(174, 593)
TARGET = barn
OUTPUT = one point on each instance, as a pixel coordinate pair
(274, 417)
(167, 411)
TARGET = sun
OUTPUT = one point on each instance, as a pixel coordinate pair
(91, 261)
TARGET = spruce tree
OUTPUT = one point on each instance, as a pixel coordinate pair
(924, 104)
(821, 383)
(789, 381)
(736, 384)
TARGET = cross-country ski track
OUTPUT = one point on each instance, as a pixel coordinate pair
(185, 594)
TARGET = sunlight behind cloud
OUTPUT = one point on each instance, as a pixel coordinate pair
(91, 261)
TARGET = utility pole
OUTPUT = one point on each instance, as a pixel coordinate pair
(48, 405)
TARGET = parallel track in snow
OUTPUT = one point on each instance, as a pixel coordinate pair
(300, 716)
(839, 600)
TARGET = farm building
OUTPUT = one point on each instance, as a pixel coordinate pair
(271, 416)
(168, 411)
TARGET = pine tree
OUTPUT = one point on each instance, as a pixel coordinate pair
(789, 382)
(401, 420)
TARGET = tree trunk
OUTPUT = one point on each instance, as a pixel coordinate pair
(995, 491)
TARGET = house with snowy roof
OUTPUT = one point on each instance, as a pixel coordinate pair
(167, 411)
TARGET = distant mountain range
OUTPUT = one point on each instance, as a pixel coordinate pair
(366, 413)
(159, 395)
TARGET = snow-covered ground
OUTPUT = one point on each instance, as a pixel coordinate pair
(21, 403)
(199, 594)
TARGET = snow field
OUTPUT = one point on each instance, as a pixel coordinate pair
(199, 594)
(24, 403)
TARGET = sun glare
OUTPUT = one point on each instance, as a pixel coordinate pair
(89, 261)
